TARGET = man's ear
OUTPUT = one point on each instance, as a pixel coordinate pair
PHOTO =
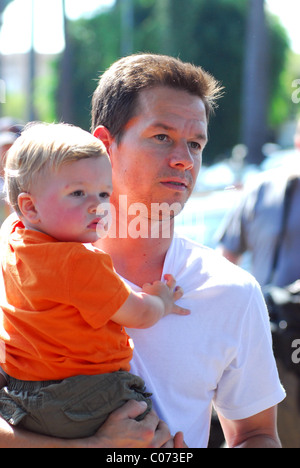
(103, 134)
(27, 207)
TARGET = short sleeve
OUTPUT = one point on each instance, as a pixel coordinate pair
(95, 289)
(250, 384)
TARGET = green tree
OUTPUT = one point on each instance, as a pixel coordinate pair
(255, 98)
(94, 45)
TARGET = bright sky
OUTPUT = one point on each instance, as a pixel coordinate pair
(16, 36)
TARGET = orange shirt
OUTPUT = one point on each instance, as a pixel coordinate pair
(56, 301)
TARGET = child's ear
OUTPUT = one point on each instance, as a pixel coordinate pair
(27, 208)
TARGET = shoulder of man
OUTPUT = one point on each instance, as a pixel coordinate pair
(201, 260)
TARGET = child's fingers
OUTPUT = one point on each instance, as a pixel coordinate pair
(178, 293)
(148, 288)
(180, 310)
(170, 281)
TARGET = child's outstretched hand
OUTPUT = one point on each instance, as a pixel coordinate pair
(169, 294)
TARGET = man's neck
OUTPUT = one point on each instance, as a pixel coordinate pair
(139, 260)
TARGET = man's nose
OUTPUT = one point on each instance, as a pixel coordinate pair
(181, 158)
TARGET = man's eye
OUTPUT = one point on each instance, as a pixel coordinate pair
(162, 137)
(195, 146)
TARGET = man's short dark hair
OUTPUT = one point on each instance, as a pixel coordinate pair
(115, 99)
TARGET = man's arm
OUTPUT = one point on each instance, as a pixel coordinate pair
(11, 437)
(259, 431)
(119, 431)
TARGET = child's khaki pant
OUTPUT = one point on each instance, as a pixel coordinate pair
(71, 408)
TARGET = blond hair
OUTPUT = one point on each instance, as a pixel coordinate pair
(45, 147)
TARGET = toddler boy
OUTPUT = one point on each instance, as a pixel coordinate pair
(62, 306)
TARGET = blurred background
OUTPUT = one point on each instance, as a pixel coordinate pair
(52, 53)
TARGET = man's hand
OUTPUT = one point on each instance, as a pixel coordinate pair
(121, 430)
(176, 442)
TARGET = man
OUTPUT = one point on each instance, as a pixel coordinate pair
(152, 114)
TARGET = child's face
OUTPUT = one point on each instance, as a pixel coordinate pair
(66, 201)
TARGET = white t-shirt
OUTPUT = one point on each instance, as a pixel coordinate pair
(221, 354)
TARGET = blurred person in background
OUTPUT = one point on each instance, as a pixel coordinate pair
(255, 226)
(297, 136)
(9, 132)
(6, 140)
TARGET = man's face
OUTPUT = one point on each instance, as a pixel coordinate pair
(160, 153)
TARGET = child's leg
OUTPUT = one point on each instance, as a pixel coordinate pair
(73, 408)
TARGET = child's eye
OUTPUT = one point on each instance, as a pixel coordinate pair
(77, 193)
(104, 195)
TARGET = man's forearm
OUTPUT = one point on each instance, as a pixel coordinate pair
(261, 441)
(11, 437)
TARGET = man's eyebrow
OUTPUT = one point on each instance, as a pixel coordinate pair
(163, 126)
